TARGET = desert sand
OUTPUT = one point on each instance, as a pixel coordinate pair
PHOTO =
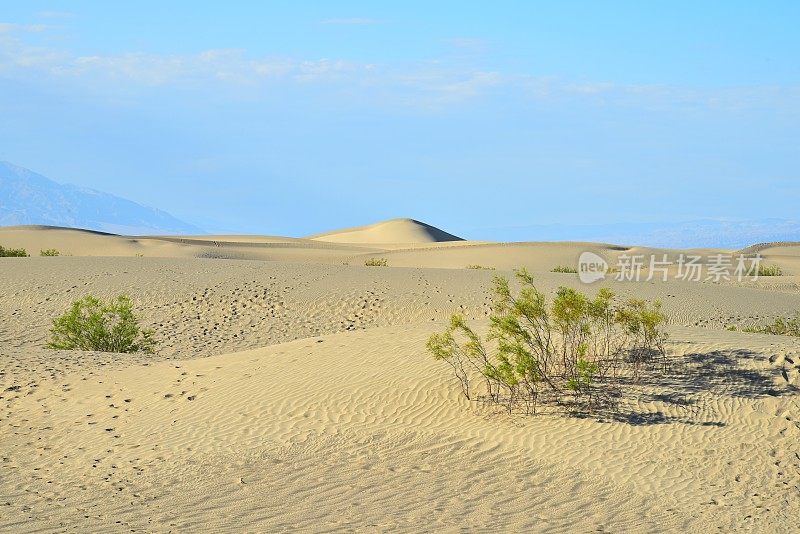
(291, 391)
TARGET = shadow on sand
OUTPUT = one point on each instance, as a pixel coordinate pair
(689, 383)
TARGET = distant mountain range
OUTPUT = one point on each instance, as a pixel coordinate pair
(30, 198)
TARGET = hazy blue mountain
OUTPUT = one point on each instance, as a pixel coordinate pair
(30, 198)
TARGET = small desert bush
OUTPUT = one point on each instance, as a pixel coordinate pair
(479, 267)
(563, 269)
(574, 348)
(377, 262)
(781, 327)
(49, 252)
(769, 270)
(91, 324)
(13, 252)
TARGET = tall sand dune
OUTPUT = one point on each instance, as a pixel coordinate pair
(394, 231)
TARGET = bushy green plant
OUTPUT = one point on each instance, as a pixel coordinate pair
(49, 252)
(585, 370)
(377, 262)
(780, 327)
(769, 270)
(573, 345)
(563, 269)
(479, 267)
(91, 324)
(459, 356)
(13, 252)
(761, 269)
(643, 321)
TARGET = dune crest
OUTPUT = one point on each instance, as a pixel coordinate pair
(390, 231)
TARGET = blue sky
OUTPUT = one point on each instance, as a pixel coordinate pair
(482, 118)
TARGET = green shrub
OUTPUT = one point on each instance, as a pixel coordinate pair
(479, 267)
(574, 346)
(780, 327)
(563, 269)
(769, 270)
(91, 324)
(13, 252)
(49, 252)
(377, 262)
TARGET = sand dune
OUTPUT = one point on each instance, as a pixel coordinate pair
(414, 245)
(393, 231)
(357, 431)
(74, 242)
(293, 392)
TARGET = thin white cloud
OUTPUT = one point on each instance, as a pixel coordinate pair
(466, 86)
(428, 85)
(230, 66)
(10, 27)
(468, 43)
(143, 68)
(14, 54)
(54, 14)
(590, 88)
(356, 21)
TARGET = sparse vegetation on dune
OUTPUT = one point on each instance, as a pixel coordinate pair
(563, 269)
(377, 262)
(573, 349)
(480, 267)
(91, 324)
(13, 252)
(780, 326)
(49, 252)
